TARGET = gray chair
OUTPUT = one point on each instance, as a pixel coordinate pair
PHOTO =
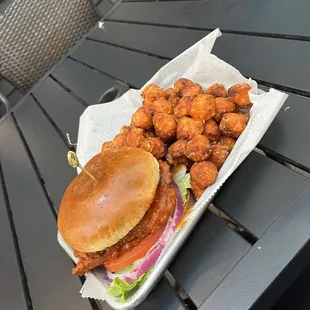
(36, 34)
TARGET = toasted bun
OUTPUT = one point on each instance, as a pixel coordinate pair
(94, 215)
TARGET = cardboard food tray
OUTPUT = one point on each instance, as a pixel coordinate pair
(100, 123)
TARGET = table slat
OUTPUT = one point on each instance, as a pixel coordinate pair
(166, 42)
(47, 267)
(105, 6)
(271, 17)
(277, 248)
(63, 108)
(258, 192)
(161, 297)
(87, 83)
(274, 60)
(47, 147)
(292, 121)
(128, 66)
(210, 253)
(11, 294)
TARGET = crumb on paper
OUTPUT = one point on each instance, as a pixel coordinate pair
(287, 108)
(259, 247)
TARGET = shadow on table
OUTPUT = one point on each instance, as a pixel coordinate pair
(297, 296)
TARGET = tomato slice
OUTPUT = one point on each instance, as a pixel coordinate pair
(135, 253)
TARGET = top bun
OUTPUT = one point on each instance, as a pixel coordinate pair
(94, 215)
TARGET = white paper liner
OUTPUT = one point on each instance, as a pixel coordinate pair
(100, 123)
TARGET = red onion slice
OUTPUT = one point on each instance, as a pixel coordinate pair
(144, 264)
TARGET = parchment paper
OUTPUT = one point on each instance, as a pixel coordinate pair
(100, 123)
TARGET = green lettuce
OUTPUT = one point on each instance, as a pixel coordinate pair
(183, 185)
(182, 180)
(120, 288)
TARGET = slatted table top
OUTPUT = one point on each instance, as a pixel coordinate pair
(267, 199)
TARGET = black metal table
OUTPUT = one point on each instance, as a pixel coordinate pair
(267, 198)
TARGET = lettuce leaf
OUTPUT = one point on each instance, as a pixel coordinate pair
(120, 288)
(183, 185)
(182, 180)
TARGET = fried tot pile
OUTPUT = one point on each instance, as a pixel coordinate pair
(187, 125)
